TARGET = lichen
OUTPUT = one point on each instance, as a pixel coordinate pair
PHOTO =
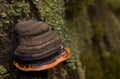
(2, 70)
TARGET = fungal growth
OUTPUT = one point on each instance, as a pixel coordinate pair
(39, 47)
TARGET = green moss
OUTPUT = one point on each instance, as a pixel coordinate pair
(2, 69)
(52, 12)
(13, 11)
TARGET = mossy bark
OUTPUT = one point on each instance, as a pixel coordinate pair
(50, 11)
(88, 27)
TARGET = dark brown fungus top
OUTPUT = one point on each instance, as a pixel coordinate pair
(31, 27)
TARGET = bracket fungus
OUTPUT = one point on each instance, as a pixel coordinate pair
(39, 48)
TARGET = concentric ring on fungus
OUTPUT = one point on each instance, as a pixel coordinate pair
(37, 56)
(38, 40)
(39, 47)
(55, 41)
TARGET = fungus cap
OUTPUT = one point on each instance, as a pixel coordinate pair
(39, 47)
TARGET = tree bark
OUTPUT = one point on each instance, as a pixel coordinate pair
(89, 28)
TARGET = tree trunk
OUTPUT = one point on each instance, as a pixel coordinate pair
(50, 11)
(89, 28)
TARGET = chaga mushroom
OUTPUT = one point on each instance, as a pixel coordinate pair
(40, 48)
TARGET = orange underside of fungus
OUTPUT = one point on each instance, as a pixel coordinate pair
(63, 56)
